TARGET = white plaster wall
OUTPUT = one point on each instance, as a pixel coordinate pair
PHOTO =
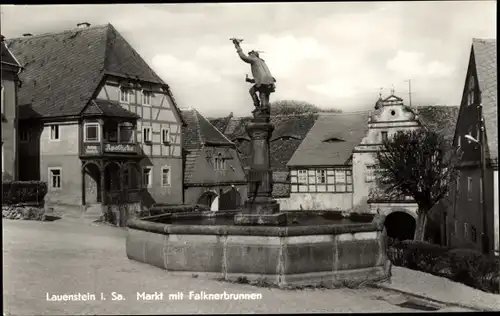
(496, 212)
(317, 201)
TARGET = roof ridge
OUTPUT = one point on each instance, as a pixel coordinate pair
(344, 113)
(59, 32)
(198, 129)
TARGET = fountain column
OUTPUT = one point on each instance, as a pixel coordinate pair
(260, 208)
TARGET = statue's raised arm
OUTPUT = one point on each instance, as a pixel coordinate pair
(240, 52)
(264, 81)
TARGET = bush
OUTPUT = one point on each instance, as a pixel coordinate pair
(474, 269)
(16, 192)
(420, 255)
(158, 209)
(465, 266)
(23, 213)
(361, 217)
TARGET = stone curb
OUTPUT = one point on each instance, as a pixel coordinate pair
(452, 304)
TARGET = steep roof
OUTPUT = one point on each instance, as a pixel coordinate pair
(108, 108)
(6, 56)
(441, 119)
(334, 136)
(199, 131)
(331, 140)
(64, 69)
(289, 131)
(485, 55)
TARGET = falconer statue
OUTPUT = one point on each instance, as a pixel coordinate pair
(264, 82)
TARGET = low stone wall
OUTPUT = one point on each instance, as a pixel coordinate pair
(329, 255)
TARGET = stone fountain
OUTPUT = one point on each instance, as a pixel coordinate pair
(260, 242)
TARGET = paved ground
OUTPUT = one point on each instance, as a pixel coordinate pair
(441, 289)
(64, 257)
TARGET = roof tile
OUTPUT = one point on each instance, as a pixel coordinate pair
(63, 70)
(350, 128)
(485, 54)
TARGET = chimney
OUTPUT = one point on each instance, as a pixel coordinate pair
(27, 34)
(83, 25)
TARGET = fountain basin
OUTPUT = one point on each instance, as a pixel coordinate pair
(310, 254)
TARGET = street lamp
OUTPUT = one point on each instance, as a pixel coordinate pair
(479, 142)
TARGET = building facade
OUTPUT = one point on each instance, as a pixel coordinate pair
(213, 172)
(10, 68)
(334, 168)
(476, 134)
(96, 121)
(289, 132)
(321, 168)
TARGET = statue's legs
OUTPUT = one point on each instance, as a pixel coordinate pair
(253, 94)
(264, 99)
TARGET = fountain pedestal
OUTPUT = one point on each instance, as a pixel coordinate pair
(260, 208)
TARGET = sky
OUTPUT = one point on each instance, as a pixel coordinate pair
(334, 55)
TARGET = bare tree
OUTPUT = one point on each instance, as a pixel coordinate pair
(285, 107)
(417, 163)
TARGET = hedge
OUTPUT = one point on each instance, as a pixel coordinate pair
(460, 265)
(158, 209)
(16, 192)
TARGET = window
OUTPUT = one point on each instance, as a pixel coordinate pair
(55, 178)
(3, 167)
(370, 174)
(219, 162)
(146, 97)
(302, 177)
(348, 174)
(466, 230)
(321, 176)
(125, 94)
(384, 136)
(25, 136)
(147, 134)
(469, 188)
(91, 132)
(165, 135)
(54, 132)
(2, 100)
(473, 234)
(127, 133)
(165, 176)
(455, 228)
(459, 141)
(340, 181)
(147, 177)
(470, 95)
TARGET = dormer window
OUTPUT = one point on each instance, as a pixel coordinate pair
(219, 162)
(333, 140)
(471, 89)
(125, 94)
